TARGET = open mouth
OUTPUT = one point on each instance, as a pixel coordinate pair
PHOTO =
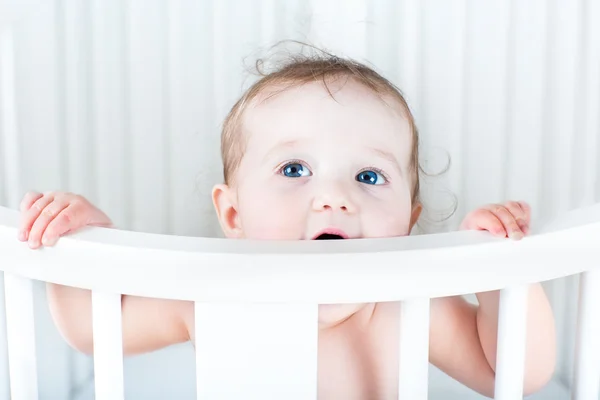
(329, 236)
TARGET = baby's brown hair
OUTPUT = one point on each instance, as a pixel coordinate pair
(303, 69)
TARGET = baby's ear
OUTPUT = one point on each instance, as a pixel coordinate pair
(416, 213)
(224, 200)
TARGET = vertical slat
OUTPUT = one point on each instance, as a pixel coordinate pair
(410, 54)
(4, 374)
(193, 126)
(442, 120)
(234, 52)
(354, 37)
(561, 107)
(222, 77)
(586, 370)
(591, 87)
(527, 88)
(584, 91)
(20, 333)
(3, 175)
(295, 20)
(10, 137)
(564, 155)
(567, 326)
(512, 329)
(486, 101)
(60, 97)
(78, 133)
(109, 96)
(256, 351)
(37, 88)
(267, 24)
(341, 30)
(381, 49)
(9, 157)
(12, 184)
(148, 105)
(414, 349)
(108, 346)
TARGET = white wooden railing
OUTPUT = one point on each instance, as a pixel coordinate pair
(261, 297)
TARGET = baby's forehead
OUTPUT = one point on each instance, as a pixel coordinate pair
(339, 103)
(343, 90)
(344, 112)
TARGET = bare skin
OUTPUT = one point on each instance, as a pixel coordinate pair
(358, 344)
(294, 181)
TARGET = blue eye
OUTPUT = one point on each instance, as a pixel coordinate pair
(371, 178)
(295, 170)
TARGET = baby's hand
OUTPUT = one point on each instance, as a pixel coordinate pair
(511, 219)
(45, 217)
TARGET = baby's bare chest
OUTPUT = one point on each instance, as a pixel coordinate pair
(358, 360)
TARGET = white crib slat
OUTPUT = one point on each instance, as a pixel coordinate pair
(148, 129)
(414, 349)
(586, 371)
(526, 115)
(4, 375)
(268, 21)
(512, 329)
(20, 335)
(340, 29)
(409, 53)
(10, 154)
(110, 113)
(78, 161)
(486, 97)
(108, 346)
(562, 103)
(591, 103)
(256, 351)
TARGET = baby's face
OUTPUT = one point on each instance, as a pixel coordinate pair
(314, 164)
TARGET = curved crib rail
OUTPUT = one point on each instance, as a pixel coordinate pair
(242, 287)
(365, 270)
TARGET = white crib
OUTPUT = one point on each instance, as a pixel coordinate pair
(234, 283)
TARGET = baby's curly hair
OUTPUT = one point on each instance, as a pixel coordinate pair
(300, 69)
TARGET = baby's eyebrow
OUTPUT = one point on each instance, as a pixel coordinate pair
(387, 156)
(279, 146)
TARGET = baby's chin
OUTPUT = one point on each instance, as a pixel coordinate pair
(325, 237)
(324, 234)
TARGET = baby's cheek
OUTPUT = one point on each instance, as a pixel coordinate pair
(386, 221)
(272, 216)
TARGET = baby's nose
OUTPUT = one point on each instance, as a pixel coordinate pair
(330, 205)
(334, 200)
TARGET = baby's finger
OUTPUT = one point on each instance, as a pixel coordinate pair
(62, 224)
(519, 214)
(26, 203)
(484, 219)
(28, 200)
(509, 222)
(527, 209)
(31, 213)
(41, 223)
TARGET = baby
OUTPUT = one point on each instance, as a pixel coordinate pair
(322, 148)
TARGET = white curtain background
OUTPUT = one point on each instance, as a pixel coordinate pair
(122, 102)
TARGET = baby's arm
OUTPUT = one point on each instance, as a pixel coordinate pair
(463, 336)
(331, 315)
(148, 324)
